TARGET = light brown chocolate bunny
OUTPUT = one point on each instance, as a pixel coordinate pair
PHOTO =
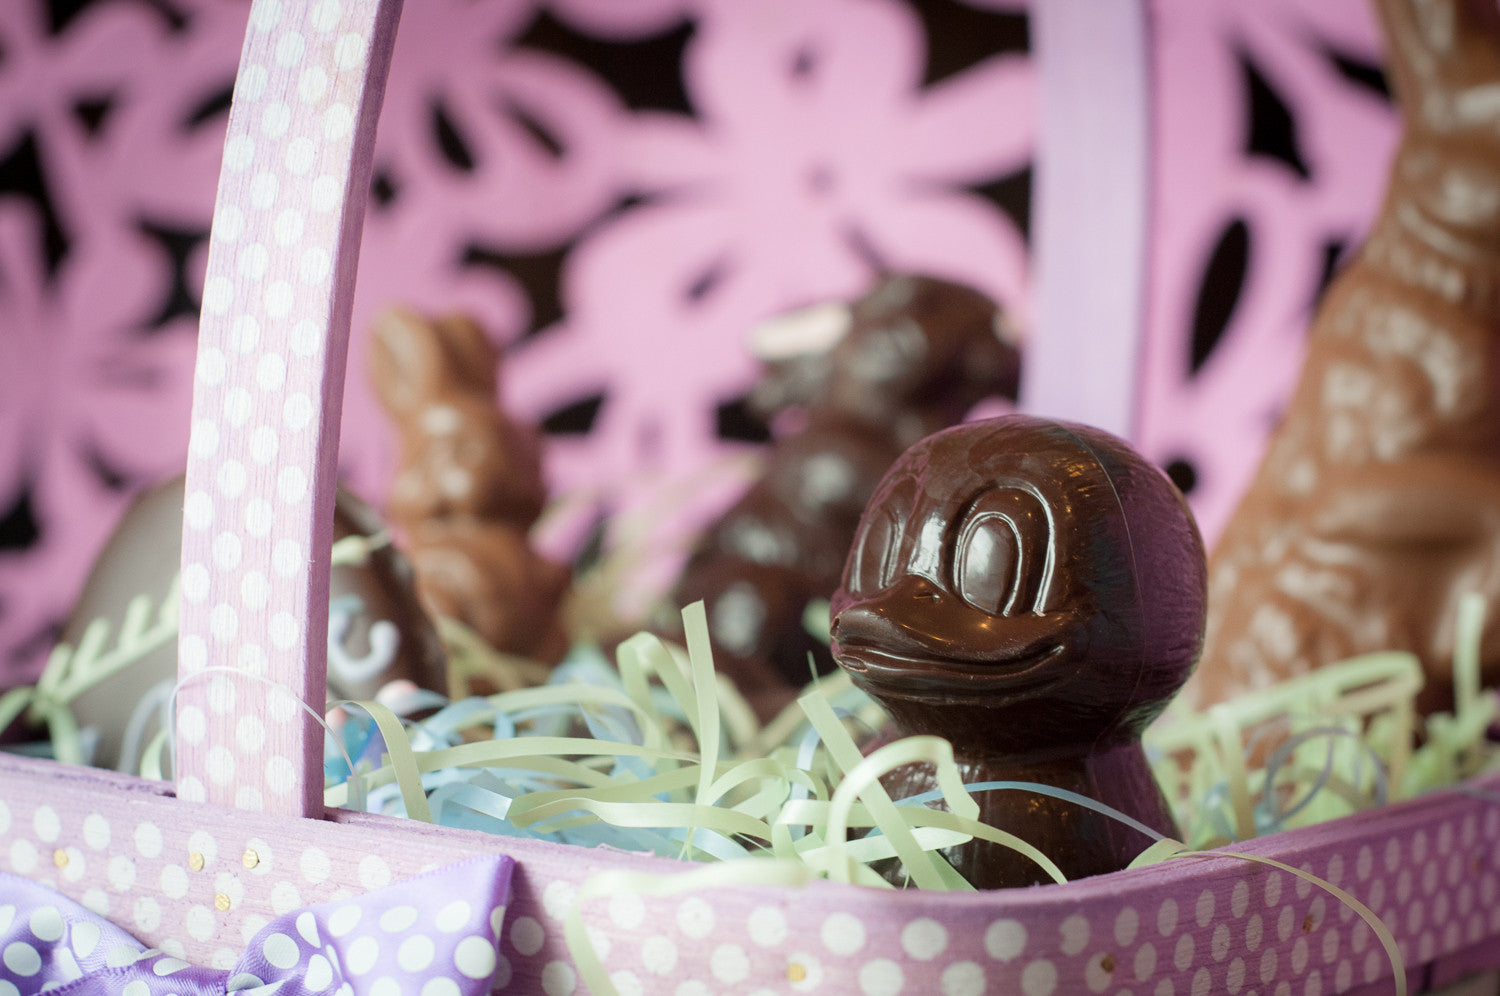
(469, 485)
(460, 454)
(1378, 503)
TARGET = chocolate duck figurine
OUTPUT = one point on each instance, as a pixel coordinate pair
(1377, 506)
(469, 485)
(1034, 592)
(915, 354)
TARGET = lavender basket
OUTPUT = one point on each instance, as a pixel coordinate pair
(220, 870)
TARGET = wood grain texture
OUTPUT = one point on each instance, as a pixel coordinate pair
(266, 401)
(1426, 867)
(191, 878)
(1093, 178)
(255, 575)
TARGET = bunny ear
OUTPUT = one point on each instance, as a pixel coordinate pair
(1438, 49)
(470, 360)
(405, 363)
(415, 361)
(793, 349)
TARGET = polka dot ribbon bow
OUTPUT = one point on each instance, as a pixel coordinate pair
(434, 935)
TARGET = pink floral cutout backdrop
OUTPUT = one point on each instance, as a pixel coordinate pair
(1274, 134)
(618, 189)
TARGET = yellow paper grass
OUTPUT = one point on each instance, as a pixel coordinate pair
(1338, 740)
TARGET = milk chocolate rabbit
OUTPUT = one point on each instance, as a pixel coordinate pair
(1378, 503)
(469, 484)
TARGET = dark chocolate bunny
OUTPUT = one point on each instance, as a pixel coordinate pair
(916, 355)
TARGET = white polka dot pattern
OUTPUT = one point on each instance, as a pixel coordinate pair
(185, 880)
(47, 941)
(1186, 927)
(199, 887)
(1189, 927)
(270, 363)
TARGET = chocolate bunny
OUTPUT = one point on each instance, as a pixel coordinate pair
(1378, 503)
(469, 485)
(915, 354)
(1032, 591)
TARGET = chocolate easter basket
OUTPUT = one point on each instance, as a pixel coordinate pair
(219, 869)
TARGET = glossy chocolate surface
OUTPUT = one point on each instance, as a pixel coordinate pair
(1378, 503)
(1033, 591)
(916, 355)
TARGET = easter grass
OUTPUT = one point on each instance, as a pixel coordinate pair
(657, 752)
(674, 763)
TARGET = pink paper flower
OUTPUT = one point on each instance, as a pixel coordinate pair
(1217, 415)
(88, 405)
(816, 158)
(95, 352)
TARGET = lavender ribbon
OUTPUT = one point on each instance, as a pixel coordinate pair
(433, 935)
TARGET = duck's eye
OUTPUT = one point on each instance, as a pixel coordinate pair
(876, 549)
(1002, 553)
(985, 564)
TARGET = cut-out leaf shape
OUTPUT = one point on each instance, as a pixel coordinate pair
(960, 36)
(539, 274)
(536, 127)
(215, 103)
(449, 140)
(575, 418)
(1219, 292)
(92, 112)
(21, 174)
(735, 420)
(180, 246)
(1013, 193)
(645, 72)
(1273, 130)
(1366, 75)
(19, 527)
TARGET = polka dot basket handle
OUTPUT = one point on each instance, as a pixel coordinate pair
(266, 401)
(197, 879)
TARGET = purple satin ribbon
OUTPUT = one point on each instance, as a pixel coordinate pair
(433, 935)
